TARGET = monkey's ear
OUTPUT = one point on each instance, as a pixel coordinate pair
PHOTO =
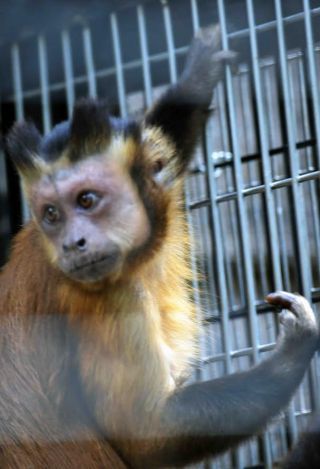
(90, 128)
(180, 118)
(23, 147)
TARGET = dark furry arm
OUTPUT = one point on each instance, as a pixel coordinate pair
(183, 109)
(205, 419)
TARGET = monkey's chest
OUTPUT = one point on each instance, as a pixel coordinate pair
(128, 369)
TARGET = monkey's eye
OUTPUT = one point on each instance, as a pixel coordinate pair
(51, 214)
(87, 200)
(157, 166)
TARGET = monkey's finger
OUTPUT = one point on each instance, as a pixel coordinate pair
(281, 299)
(227, 57)
(296, 303)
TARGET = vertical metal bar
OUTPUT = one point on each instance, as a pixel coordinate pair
(88, 56)
(17, 82)
(68, 69)
(283, 238)
(19, 109)
(44, 83)
(118, 63)
(312, 74)
(145, 55)
(195, 15)
(170, 40)
(245, 242)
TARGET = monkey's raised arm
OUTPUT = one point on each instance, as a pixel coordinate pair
(183, 109)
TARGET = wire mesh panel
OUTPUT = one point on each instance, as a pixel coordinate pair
(253, 191)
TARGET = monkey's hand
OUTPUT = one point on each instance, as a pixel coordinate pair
(205, 64)
(209, 417)
(297, 318)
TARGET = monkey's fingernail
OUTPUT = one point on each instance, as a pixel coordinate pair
(281, 300)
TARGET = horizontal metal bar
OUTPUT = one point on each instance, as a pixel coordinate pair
(227, 159)
(261, 308)
(247, 351)
(272, 24)
(260, 189)
(224, 161)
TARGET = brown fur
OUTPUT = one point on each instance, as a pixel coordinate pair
(135, 335)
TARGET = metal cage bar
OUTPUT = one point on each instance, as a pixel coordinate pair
(144, 55)
(118, 64)
(88, 54)
(170, 40)
(44, 83)
(68, 70)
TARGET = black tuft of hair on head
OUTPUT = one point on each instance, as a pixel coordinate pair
(22, 144)
(90, 127)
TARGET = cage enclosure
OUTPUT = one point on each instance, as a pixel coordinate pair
(252, 195)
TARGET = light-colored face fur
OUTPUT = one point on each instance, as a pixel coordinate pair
(90, 213)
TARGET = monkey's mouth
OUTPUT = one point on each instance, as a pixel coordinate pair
(94, 269)
(110, 258)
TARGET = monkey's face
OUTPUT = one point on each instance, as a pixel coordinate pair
(101, 190)
(91, 216)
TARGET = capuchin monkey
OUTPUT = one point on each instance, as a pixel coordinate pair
(97, 329)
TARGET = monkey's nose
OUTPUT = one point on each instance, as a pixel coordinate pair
(78, 245)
